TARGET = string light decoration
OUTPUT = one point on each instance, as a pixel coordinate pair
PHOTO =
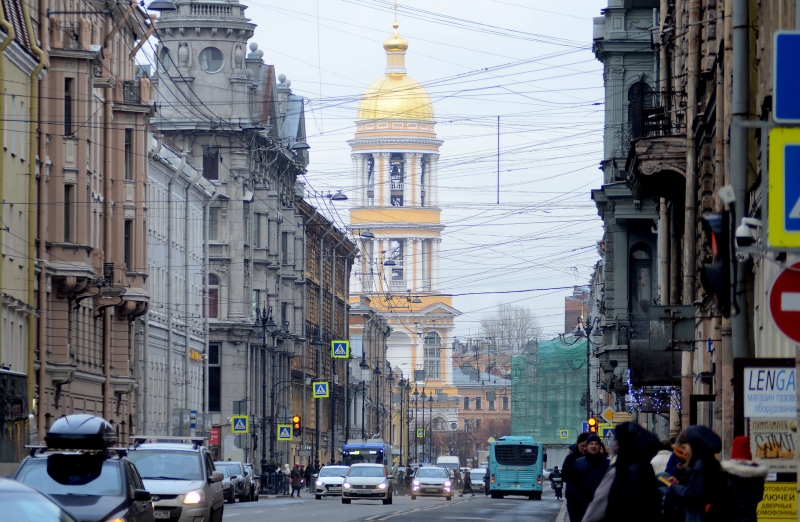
(667, 397)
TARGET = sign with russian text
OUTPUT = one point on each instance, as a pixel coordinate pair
(770, 393)
(773, 443)
(780, 502)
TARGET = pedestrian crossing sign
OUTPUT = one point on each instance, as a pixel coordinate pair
(284, 432)
(321, 390)
(420, 433)
(240, 424)
(340, 349)
(564, 434)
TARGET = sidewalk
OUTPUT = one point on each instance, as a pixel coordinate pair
(562, 514)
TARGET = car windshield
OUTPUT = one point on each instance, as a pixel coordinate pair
(234, 467)
(431, 473)
(224, 471)
(72, 479)
(32, 507)
(332, 472)
(358, 471)
(167, 465)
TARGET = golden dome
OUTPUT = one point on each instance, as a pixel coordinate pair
(395, 97)
(395, 42)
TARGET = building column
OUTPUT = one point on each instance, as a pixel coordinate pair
(358, 190)
(408, 178)
(435, 264)
(417, 261)
(434, 180)
(385, 180)
(416, 187)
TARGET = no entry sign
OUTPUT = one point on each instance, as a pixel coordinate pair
(784, 302)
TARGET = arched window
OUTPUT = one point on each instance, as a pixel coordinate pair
(212, 301)
(433, 356)
(439, 424)
(505, 403)
(640, 99)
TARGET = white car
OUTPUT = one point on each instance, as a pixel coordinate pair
(329, 481)
(367, 481)
(432, 481)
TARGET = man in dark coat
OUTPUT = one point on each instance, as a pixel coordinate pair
(696, 497)
(584, 477)
(576, 452)
(634, 492)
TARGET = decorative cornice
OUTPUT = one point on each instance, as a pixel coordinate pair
(395, 140)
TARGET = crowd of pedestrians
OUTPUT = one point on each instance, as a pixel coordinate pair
(662, 481)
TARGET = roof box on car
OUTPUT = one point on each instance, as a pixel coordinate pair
(81, 431)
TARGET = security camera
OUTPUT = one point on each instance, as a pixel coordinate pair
(748, 232)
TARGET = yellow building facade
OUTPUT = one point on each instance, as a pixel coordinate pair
(397, 219)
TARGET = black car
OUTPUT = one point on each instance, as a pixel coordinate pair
(85, 477)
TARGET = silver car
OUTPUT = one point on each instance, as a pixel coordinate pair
(432, 482)
(329, 481)
(181, 478)
(367, 481)
(240, 479)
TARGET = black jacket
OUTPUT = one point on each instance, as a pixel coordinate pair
(566, 468)
(634, 493)
(697, 496)
(745, 481)
(586, 475)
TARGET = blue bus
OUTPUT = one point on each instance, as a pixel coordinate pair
(515, 467)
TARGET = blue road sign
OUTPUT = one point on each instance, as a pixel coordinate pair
(340, 349)
(791, 196)
(608, 433)
(321, 390)
(786, 70)
(585, 426)
(240, 424)
(784, 187)
(284, 432)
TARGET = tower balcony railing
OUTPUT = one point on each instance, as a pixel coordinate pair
(397, 185)
(397, 284)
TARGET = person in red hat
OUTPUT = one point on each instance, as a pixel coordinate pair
(745, 481)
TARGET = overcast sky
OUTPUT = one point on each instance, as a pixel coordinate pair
(527, 61)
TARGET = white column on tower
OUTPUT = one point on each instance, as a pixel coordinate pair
(408, 183)
(416, 188)
(417, 265)
(434, 180)
(386, 178)
(356, 178)
(362, 180)
(435, 264)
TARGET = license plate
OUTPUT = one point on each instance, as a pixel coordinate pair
(363, 491)
(432, 490)
(335, 488)
(162, 515)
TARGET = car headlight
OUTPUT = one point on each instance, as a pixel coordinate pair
(346, 485)
(416, 482)
(320, 483)
(382, 485)
(448, 483)
(194, 497)
(116, 520)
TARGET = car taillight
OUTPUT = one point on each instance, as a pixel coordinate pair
(492, 478)
(539, 479)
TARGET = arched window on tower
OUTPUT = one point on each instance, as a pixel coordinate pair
(433, 356)
(397, 173)
(640, 105)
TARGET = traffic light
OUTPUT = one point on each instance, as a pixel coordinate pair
(297, 426)
(592, 425)
(716, 276)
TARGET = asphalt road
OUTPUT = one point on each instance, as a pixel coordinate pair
(403, 509)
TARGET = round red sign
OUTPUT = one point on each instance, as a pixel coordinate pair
(784, 302)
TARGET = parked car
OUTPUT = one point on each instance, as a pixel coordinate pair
(255, 481)
(432, 481)
(477, 474)
(227, 485)
(329, 481)
(180, 474)
(367, 481)
(81, 475)
(21, 502)
(240, 478)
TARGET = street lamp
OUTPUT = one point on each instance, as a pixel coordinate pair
(316, 344)
(390, 378)
(364, 367)
(430, 431)
(377, 374)
(416, 416)
(408, 407)
(267, 323)
(423, 396)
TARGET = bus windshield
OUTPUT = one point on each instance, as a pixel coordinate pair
(362, 456)
(516, 454)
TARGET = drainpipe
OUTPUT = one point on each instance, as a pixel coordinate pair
(44, 35)
(186, 322)
(9, 29)
(318, 355)
(207, 205)
(740, 105)
(305, 240)
(168, 308)
(333, 333)
(33, 111)
(346, 313)
(690, 211)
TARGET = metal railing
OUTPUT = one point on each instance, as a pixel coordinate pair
(131, 94)
(659, 113)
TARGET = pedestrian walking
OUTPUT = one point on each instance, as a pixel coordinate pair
(456, 478)
(297, 480)
(467, 484)
(287, 479)
(487, 479)
(585, 476)
(661, 459)
(576, 452)
(308, 476)
(696, 497)
(629, 490)
(745, 480)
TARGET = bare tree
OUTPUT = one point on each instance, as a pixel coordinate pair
(512, 326)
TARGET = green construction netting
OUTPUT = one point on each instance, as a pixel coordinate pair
(547, 385)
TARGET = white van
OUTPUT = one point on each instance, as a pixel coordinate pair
(448, 462)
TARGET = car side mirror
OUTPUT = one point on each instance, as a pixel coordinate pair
(215, 477)
(141, 495)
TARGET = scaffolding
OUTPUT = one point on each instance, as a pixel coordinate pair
(548, 390)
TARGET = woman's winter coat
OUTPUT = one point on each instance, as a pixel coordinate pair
(696, 497)
(745, 489)
(297, 478)
(634, 493)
